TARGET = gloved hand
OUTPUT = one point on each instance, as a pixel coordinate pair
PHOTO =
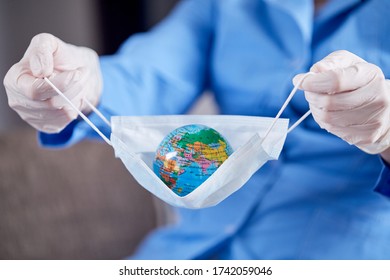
(74, 70)
(350, 98)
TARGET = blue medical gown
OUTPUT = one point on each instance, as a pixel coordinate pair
(320, 200)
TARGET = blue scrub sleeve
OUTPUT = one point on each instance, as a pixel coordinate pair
(383, 184)
(158, 72)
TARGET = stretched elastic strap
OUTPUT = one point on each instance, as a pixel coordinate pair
(290, 96)
(81, 114)
(94, 109)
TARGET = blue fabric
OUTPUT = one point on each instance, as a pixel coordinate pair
(383, 185)
(318, 201)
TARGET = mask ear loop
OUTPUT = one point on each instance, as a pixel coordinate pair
(290, 96)
(81, 114)
(94, 109)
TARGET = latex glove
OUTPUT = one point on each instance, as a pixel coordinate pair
(350, 98)
(74, 70)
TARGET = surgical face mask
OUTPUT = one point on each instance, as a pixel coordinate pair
(255, 140)
(135, 141)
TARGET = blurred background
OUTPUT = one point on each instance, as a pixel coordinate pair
(78, 203)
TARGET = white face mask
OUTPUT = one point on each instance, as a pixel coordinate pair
(255, 140)
(135, 141)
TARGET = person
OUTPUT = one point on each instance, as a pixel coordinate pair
(327, 197)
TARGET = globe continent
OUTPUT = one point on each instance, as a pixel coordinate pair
(189, 155)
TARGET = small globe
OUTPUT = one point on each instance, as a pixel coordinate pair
(189, 155)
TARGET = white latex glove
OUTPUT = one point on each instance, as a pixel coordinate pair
(74, 70)
(350, 98)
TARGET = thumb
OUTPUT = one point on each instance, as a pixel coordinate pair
(40, 54)
(298, 79)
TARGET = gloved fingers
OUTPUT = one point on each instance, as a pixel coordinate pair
(37, 89)
(69, 57)
(71, 84)
(24, 105)
(74, 94)
(36, 114)
(339, 102)
(50, 121)
(371, 93)
(364, 125)
(19, 101)
(337, 59)
(91, 92)
(341, 79)
(365, 114)
(20, 83)
(46, 54)
(40, 53)
(361, 134)
(354, 134)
